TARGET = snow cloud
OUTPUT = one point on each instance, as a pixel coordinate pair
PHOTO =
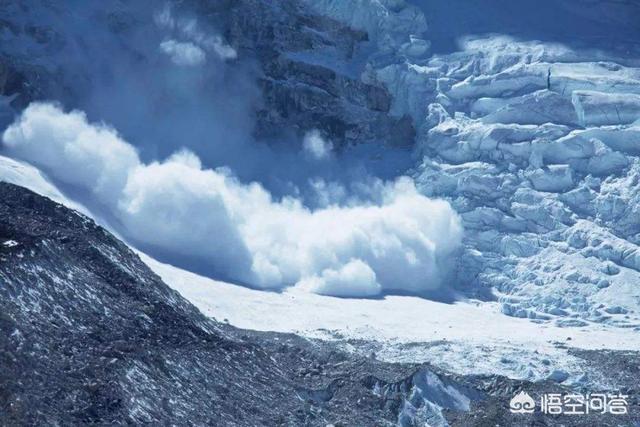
(194, 41)
(398, 241)
(315, 146)
(222, 49)
(354, 279)
(91, 156)
(183, 53)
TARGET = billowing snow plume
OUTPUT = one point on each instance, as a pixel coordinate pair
(183, 53)
(193, 41)
(404, 241)
(316, 146)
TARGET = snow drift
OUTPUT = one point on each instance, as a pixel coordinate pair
(403, 241)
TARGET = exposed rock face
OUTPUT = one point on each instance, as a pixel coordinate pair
(307, 64)
(306, 83)
(90, 335)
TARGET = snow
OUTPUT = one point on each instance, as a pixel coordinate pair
(535, 143)
(354, 279)
(537, 108)
(396, 239)
(183, 53)
(601, 108)
(429, 395)
(534, 139)
(10, 243)
(315, 146)
(25, 175)
(466, 336)
(389, 23)
(552, 178)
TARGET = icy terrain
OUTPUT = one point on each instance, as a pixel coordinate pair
(533, 140)
(535, 144)
(468, 337)
(84, 319)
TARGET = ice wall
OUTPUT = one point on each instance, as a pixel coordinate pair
(536, 145)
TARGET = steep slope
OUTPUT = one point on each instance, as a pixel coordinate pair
(90, 335)
(531, 135)
(448, 332)
(533, 140)
(83, 55)
(544, 177)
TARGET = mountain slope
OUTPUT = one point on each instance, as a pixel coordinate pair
(531, 135)
(530, 130)
(534, 143)
(83, 55)
(91, 336)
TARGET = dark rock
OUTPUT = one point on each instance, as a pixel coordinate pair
(297, 93)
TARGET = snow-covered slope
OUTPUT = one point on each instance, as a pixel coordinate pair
(470, 337)
(534, 140)
(85, 320)
(25, 175)
(546, 179)
(82, 318)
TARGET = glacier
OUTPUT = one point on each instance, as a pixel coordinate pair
(470, 337)
(536, 144)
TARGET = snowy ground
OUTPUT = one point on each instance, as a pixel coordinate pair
(469, 337)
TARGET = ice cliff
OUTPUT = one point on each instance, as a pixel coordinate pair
(536, 145)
